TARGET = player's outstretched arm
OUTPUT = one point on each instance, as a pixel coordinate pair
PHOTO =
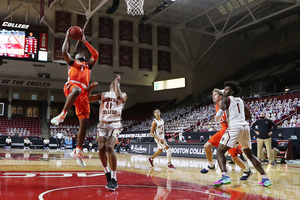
(94, 97)
(247, 112)
(92, 50)
(120, 96)
(65, 48)
(223, 106)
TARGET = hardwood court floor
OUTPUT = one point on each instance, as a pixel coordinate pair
(53, 175)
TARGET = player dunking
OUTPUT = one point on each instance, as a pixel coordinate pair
(76, 92)
(238, 131)
(109, 128)
(215, 139)
(158, 132)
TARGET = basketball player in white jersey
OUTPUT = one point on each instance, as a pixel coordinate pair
(238, 130)
(158, 132)
(109, 128)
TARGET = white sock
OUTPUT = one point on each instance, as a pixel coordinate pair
(224, 174)
(106, 169)
(114, 175)
(264, 176)
(63, 114)
(77, 150)
(211, 163)
(169, 155)
(247, 169)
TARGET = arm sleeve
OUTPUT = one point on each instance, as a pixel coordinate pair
(92, 50)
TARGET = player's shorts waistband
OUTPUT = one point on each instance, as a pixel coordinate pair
(82, 84)
(110, 122)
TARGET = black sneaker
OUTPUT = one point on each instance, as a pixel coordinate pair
(246, 175)
(113, 184)
(231, 162)
(273, 164)
(108, 177)
(205, 170)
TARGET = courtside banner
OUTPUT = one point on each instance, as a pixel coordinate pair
(178, 150)
(136, 134)
(140, 148)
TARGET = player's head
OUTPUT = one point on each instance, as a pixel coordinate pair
(156, 113)
(232, 88)
(112, 86)
(217, 95)
(80, 57)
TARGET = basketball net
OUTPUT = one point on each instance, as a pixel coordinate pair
(135, 7)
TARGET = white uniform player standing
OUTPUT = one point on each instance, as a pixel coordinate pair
(158, 132)
(109, 127)
(238, 131)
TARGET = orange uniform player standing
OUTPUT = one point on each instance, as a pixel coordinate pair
(76, 92)
(215, 140)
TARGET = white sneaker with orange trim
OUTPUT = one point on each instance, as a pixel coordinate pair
(57, 120)
(78, 157)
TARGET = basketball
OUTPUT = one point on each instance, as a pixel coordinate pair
(76, 32)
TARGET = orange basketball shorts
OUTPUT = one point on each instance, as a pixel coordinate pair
(81, 104)
(215, 139)
(235, 151)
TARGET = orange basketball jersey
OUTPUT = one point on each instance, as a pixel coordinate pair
(224, 123)
(79, 72)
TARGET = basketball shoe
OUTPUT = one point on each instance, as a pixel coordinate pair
(151, 161)
(108, 178)
(57, 120)
(265, 182)
(78, 157)
(113, 184)
(170, 166)
(205, 170)
(223, 181)
(246, 175)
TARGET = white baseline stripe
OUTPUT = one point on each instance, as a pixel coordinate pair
(83, 186)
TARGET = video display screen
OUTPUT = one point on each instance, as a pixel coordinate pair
(14, 43)
(23, 44)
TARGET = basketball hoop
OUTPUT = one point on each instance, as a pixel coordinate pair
(135, 7)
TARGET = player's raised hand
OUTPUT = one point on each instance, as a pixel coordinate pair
(94, 84)
(118, 78)
(82, 39)
(68, 32)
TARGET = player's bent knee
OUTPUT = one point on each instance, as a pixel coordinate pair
(207, 146)
(248, 153)
(76, 91)
(102, 148)
(109, 148)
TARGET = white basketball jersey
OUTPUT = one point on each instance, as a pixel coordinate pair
(160, 130)
(110, 108)
(236, 112)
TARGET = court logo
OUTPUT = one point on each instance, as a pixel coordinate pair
(138, 149)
